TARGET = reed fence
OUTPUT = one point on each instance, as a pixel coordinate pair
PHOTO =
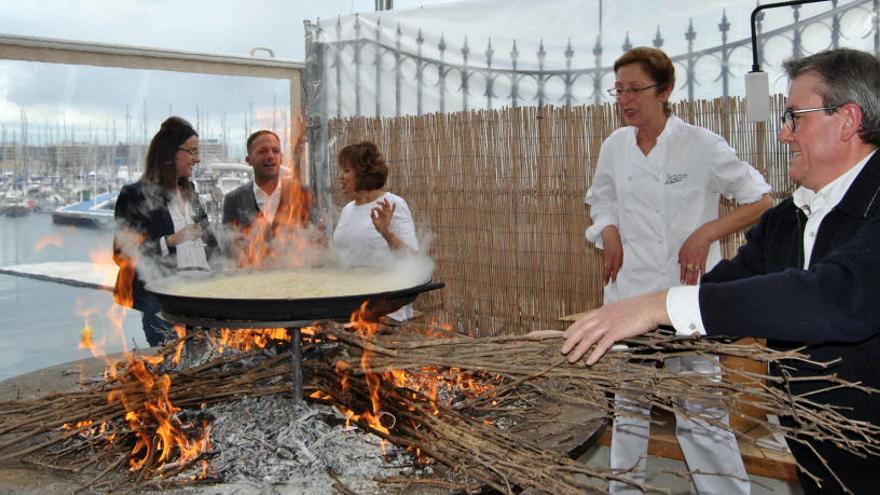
(502, 193)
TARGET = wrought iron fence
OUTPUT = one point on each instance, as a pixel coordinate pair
(378, 60)
(370, 51)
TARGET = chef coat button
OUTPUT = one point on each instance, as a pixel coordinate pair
(692, 326)
(629, 177)
(813, 234)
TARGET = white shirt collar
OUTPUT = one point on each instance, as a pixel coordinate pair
(261, 195)
(809, 201)
(672, 123)
(267, 203)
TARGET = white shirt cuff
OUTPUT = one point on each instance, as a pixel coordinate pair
(594, 231)
(683, 308)
(163, 246)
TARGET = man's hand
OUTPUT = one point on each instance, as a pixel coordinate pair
(612, 322)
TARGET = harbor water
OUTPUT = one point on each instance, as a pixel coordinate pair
(41, 322)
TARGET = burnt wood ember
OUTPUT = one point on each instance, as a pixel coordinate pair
(270, 441)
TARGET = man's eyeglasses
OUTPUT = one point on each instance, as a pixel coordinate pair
(789, 117)
(193, 152)
(618, 92)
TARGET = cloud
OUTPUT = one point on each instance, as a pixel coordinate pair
(83, 95)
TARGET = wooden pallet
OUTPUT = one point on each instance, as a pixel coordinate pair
(758, 461)
(761, 462)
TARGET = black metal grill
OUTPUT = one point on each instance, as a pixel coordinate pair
(292, 326)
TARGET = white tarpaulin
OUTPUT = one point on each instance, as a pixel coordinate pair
(493, 53)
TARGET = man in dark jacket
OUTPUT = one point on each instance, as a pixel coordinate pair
(809, 273)
(254, 212)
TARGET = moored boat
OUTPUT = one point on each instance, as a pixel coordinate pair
(94, 212)
(17, 209)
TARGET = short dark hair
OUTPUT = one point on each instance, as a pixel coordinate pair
(368, 165)
(656, 63)
(161, 167)
(254, 136)
(848, 76)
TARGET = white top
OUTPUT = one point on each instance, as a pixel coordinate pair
(683, 303)
(190, 254)
(657, 201)
(267, 203)
(358, 243)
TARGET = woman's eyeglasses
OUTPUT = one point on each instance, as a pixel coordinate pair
(193, 152)
(618, 92)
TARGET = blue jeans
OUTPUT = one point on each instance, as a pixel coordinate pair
(156, 330)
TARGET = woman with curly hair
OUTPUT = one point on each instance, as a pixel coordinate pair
(376, 224)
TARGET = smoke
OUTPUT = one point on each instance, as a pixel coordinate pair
(310, 246)
(268, 246)
(404, 268)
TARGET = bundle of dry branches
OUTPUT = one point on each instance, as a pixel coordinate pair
(530, 367)
(534, 363)
(466, 444)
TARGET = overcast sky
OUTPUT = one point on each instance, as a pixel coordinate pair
(91, 102)
(78, 97)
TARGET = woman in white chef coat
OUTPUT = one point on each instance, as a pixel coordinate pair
(376, 224)
(654, 203)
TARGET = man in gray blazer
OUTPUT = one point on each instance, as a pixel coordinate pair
(253, 212)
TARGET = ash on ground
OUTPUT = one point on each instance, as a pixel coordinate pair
(271, 443)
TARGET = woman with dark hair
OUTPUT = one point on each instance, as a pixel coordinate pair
(375, 224)
(161, 225)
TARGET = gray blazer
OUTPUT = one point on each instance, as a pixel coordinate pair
(240, 206)
(239, 211)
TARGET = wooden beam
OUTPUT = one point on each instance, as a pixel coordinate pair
(49, 50)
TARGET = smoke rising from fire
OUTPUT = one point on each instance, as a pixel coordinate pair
(296, 247)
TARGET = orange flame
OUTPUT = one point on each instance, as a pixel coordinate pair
(144, 395)
(181, 341)
(247, 339)
(432, 383)
(320, 395)
(49, 240)
(265, 244)
(126, 253)
(138, 387)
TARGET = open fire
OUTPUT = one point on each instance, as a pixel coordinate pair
(143, 415)
(170, 442)
(139, 388)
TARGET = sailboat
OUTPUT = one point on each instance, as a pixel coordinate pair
(15, 203)
(94, 209)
